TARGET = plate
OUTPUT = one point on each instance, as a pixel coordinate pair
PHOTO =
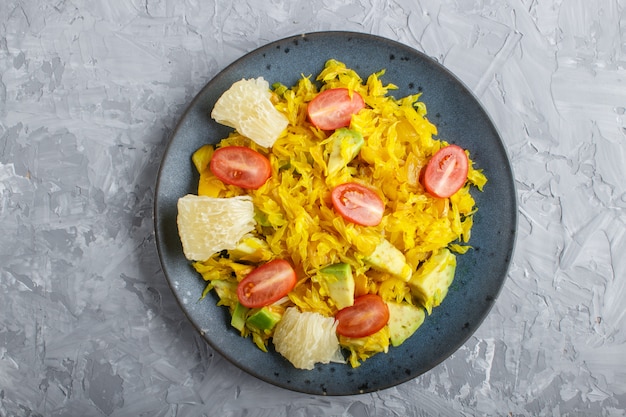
(460, 119)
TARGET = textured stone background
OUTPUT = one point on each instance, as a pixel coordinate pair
(90, 91)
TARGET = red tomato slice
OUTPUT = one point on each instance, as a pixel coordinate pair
(332, 109)
(358, 204)
(266, 284)
(366, 316)
(446, 172)
(240, 166)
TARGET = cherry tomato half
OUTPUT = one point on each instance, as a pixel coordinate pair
(366, 316)
(240, 166)
(266, 284)
(358, 204)
(332, 109)
(446, 172)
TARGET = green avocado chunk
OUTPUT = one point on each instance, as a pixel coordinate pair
(404, 319)
(345, 146)
(238, 320)
(263, 318)
(388, 258)
(433, 278)
(251, 249)
(339, 283)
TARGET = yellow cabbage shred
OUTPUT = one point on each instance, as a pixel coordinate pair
(295, 215)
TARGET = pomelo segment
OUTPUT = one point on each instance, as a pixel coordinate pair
(207, 225)
(307, 338)
(247, 107)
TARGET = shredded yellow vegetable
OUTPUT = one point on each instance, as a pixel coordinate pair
(295, 217)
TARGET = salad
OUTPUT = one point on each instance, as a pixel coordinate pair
(329, 220)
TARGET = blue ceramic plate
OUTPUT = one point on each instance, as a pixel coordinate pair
(460, 119)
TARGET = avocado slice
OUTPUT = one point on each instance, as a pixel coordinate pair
(251, 249)
(339, 283)
(388, 258)
(345, 145)
(263, 318)
(433, 278)
(404, 319)
(238, 320)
